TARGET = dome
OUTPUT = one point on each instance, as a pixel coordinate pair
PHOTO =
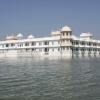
(30, 37)
(19, 35)
(88, 34)
(66, 28)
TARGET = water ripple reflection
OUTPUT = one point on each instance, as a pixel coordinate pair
(47, 79)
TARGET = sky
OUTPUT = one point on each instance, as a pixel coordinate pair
(40, 17)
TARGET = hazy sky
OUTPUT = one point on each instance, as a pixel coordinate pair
(40, 17)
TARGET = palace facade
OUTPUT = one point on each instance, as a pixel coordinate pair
(61, 43)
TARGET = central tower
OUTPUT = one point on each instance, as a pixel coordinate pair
(66, 41)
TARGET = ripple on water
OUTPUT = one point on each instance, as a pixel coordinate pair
(46, 79)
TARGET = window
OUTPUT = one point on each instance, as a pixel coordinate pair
(89, 44)
(46, 50)
(40, 43)
(82, 43)
(26, 44)
(63, 41)
(46, 43)
(33, 43)
(77, 49)
(94, 44)
(63, 48)
(7, 45)
(33, 49)
(19, 45)
(66, 33)
(27, 49)
(12, 44)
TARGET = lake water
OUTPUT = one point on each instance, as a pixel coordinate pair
(50, 79)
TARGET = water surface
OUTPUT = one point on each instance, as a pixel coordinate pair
(49, 79)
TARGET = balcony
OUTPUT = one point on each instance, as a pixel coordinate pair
(65, 37)
(66, 44)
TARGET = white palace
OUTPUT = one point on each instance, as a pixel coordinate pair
(61, 43)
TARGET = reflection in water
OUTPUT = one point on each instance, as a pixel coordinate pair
(49, 79)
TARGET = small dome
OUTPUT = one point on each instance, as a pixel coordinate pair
(20, 35)
(88, 34)
(66, 28)
(30, 36)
